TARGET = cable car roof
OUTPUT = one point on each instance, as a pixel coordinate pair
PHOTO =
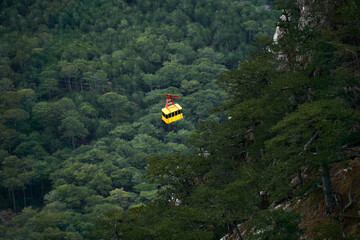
(172, 108)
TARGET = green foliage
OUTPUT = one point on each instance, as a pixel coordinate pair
(109, 222)
(15, 115)
(101, 183)
(81, 87)
(88, 110)
(328, 230)
(73, 196)
(17, 172)
(117, 105)
(121, 197)
(316, 127)
(276, 224)
(72, 128)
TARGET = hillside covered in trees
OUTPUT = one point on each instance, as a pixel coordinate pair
(84, 152)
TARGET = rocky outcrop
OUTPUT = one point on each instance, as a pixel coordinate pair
(346, 184)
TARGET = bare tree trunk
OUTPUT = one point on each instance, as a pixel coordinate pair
(238, 232)
(13, 198)
(327, 188)
(351, 195)
(300, 177)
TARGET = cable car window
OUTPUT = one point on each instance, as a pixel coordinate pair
(172, 114)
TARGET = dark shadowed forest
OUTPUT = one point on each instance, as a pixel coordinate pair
(268, 147)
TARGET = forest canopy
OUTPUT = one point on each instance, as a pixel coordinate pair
(84, 153)
(81, 92)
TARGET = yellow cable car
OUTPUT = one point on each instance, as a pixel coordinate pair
(172, 111)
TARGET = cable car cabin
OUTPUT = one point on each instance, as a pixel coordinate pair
(172, 113)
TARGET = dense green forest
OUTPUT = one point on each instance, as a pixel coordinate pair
(84, 152)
